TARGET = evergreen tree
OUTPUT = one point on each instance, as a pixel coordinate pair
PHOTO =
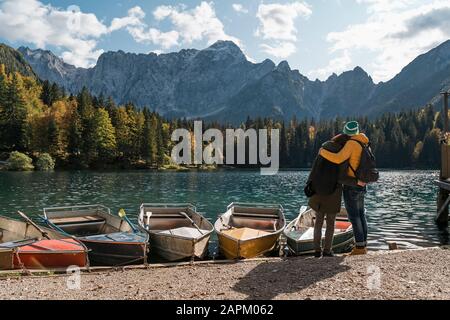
(105, 137)
(13, 116)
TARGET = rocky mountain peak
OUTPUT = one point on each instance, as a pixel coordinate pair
(219, 83)
(283, 66)
(224, 51)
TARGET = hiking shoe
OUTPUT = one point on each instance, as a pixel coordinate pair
(358, 251)
(329, 254)
(318, 254)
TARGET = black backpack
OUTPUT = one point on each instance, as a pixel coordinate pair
(367, 171)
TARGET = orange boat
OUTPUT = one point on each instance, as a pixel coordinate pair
(22, 245)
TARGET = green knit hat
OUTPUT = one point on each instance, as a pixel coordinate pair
(351, 128)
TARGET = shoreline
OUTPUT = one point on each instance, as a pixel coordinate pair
(403, 274)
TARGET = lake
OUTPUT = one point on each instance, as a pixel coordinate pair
(401, 207)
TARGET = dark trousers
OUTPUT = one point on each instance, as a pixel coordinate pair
(354, 203)
(329, 233)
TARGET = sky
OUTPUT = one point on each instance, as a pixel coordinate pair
(317, 37)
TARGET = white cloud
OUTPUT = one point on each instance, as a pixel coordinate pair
(280, 50)
(196, 24)
(277, 21)
(42, 25)
(138, 29)
(277, 24)
(134, 18)
(396, 32)
(199, 23)
(336, 65)
(386, 5)
(164, 39)
(239, 8)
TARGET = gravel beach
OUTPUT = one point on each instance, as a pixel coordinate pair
(413, 274)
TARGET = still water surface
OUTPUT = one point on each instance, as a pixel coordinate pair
(400, 208)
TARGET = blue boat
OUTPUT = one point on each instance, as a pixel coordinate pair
(111, 240)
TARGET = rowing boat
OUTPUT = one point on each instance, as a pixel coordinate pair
(300, 232)
(249, 230)
(111, 240)
(177, 231)
(23, 246)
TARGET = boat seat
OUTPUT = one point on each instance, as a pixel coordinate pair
(80, 225)
(94, 219)
(167, 215)
(256, 215)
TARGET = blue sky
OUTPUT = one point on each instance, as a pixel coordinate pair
(318, 37)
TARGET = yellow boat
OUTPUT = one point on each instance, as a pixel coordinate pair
(249, 230)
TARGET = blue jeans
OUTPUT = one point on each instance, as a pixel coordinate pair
(354, 203)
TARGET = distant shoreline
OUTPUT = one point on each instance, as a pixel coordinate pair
(192, 169)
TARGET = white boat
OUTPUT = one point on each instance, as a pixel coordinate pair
(300, 232)
(177, 231)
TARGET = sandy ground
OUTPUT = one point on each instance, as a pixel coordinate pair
(418, 274)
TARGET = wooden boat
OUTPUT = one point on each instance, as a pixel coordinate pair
(23, 246)
(300, 232)
(111, 240)
(249, 230)
(177, 231)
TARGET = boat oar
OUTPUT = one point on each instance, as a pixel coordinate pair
(122, 214)
(44, 233)
(184, 214)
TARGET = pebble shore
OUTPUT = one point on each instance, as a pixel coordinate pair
(412, 274)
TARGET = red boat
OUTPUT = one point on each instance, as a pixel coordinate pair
(23, 246)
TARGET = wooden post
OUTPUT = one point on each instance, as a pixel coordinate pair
(443, 198)
(445, 96)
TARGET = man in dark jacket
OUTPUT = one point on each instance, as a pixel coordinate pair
(326, 180)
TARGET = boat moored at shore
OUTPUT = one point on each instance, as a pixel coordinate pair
(300, 232)
(23, 246)
(177, 231)
(249, 230)
(112, 241)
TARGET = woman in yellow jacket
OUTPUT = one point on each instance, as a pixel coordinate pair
(353, 193)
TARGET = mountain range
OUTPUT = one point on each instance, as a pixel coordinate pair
(219, 83)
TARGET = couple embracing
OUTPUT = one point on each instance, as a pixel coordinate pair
(343, 168)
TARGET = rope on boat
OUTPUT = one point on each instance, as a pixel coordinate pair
(21, 264)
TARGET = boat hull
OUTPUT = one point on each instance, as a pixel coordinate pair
(177, 248)
(45, 254)
(49, 260)
(6, 259)
(109, 253)
(341, 242)
(233, 248)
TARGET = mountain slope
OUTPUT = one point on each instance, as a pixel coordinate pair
(219, 83)
(14, 61)
(419, 83)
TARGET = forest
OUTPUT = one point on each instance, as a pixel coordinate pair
(91, 132)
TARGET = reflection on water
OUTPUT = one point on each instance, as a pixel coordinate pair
(401, 207)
